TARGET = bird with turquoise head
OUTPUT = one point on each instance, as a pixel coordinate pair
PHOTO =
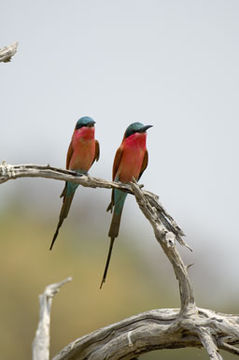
(131, 159)
(82, 152)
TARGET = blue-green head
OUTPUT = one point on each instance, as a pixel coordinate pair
(85, 121)
(136, 127)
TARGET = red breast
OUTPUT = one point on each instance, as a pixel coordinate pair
(133, 148)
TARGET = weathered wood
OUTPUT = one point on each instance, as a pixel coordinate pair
(8, 52)
(167, 240)
(41, 342)
(209, 344)
(10, 172)
(154, 330)
(188, 326)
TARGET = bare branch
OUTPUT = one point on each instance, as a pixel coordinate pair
(156, 329)
(10, 172)
(208, 343)
(152, 330)
(230, 348)
(41, 342)
(8, 52)
(167, 240)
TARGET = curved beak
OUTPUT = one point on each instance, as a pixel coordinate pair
(146, 127)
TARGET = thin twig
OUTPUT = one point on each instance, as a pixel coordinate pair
(230, 348)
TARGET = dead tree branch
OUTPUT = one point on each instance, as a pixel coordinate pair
(167, 240)
(188, 326)
(41, 342)
(10, 172)
(8, 52)
(155, 330)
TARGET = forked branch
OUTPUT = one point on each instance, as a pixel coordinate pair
(188, 326)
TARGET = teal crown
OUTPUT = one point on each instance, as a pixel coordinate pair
(136, 127)
(85, 121)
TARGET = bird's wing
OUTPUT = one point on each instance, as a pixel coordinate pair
(69, 155)
(117, 160)
(144, 164)
(68, 159)
(97, 151)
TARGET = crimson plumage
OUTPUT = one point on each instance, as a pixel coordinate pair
(82, 152)
(130, 161)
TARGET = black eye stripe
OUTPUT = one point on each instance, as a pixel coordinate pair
(79, 126)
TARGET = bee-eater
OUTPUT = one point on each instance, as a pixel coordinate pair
(131, 159)
(82, 152)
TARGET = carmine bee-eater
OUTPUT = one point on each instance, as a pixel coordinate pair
(82, 152)
(131, 159)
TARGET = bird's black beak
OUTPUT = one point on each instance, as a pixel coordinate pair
(144, 128)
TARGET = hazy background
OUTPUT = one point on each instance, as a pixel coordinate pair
(172, 64)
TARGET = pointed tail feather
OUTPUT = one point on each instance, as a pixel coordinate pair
(112, 202)
(115, 224)
(113, 233)
(110, 207)
(63, 214)
(107, 262)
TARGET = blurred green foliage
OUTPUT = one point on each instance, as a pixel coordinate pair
(27, 266)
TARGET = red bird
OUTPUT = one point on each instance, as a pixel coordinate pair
(82, 152)
(130, 161)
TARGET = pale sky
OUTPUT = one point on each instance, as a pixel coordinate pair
(172, 64)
